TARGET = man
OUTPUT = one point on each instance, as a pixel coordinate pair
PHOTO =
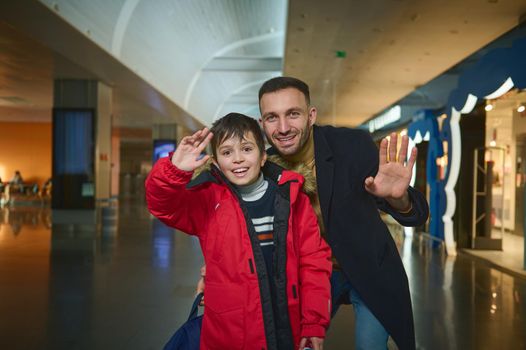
(353, 182)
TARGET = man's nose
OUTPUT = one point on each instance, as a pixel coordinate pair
(283, 126)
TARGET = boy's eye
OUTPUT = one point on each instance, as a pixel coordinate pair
(247, 149)
(225, 153)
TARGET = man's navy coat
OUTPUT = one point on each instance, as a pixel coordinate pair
(359, 239)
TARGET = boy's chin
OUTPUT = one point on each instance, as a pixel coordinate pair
(242, 181)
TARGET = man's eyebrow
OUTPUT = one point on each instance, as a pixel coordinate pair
(268, 114)
(292, 109)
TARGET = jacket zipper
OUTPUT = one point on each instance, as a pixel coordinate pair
(294, 294)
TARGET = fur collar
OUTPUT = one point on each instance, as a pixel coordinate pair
(309, 186)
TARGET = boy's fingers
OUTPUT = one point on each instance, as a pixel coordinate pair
(202, 160)
(186, 140)
(205, 142)
(196, 134)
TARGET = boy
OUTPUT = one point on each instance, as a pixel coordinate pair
(267, 278)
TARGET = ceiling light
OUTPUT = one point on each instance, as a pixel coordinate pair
(521, 108)
(493, 143)
(488, 107)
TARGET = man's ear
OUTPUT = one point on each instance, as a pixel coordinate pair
(313, 113)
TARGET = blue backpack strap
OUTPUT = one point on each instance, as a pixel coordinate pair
(195, 306)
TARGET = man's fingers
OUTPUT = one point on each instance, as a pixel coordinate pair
(412, 159)
(403, 150)
(383, 151)
(392, 147)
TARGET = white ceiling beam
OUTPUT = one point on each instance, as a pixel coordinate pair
(244, 99)
(245, 64)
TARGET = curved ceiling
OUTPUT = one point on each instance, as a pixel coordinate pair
(207, 56)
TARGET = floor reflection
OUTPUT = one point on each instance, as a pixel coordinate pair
(128, 282)
(459, 303)
(13, 219)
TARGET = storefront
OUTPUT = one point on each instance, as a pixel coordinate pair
(505, 150)
(484, 126)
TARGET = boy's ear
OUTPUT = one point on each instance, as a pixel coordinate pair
(214, 160)
(264, 158)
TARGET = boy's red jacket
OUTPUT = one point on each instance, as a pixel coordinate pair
(238, 310)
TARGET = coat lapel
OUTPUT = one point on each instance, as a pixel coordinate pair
(324, 173)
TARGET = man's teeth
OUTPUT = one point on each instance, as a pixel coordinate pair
(286, 138)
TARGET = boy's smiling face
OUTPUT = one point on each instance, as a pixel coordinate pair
(240, 160)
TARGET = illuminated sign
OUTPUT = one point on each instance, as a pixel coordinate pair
(392, 115)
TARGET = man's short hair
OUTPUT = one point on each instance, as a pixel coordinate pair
(280, 83)
(235, 125)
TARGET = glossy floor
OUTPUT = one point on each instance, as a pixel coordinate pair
(129, 287)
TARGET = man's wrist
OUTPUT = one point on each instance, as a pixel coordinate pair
(402, 205)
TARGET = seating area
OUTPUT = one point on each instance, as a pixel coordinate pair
(24, 193)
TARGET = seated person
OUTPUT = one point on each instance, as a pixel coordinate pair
(17, 179)
(45, 191)
(16, 184)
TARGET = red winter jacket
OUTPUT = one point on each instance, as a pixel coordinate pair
(238, 311)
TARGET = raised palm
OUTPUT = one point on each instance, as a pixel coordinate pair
(394, 174)
(187, 155)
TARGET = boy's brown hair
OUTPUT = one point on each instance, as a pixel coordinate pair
(235, 125)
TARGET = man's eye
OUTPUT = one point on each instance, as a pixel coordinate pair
(270, 118)
(295, 114)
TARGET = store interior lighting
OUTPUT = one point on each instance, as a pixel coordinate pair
(521, 108)
(489, 107)
(493, 141)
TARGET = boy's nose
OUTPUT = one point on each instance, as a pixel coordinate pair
(238, 157)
